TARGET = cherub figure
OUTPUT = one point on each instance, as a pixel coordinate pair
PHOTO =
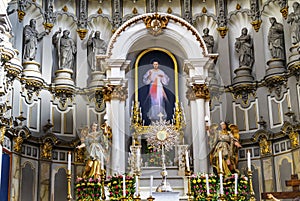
(92, 141)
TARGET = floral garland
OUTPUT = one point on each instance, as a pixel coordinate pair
(199, 188)
(115, 186)
(87, 189)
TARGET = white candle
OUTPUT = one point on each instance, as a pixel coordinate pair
(151, 185)
(249, 160)
(136, 185)
(69, 161)
(187, 160)
(235, 183)
(221, 184)
(102, 162)
(138, 157)
(220, 161)
(124, 186)
(207, 184)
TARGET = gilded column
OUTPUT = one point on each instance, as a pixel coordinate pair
(198, 95)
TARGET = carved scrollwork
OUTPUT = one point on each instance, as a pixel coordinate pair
(264, 145)
(114, 92)
(18, 144)
(156, 23)
(46, 150)
(201, 91)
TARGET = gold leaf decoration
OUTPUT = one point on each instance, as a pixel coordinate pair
(99, 11)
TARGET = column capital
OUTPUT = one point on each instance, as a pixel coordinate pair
(197, 91)
(114, 92)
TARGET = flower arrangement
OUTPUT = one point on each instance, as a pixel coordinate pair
(115, 186)
(87, 189)
(154, 156)
(243, 187)
(199, 187)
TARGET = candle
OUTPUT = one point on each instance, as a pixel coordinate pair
(102, 162)
(289, 102)
(138, 157)
(69, 161)
(235, 183)
(221, 184)
(220, 161)
(136, 185)
(124, 186)
(207, 184)
(187, 162)
(249, 160)
(151, 185)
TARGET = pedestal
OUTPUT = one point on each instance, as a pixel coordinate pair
(275, 67)
(294, 61)
(97, 79)
(32, 78)
(32, 70)
(166, 196)
(243, 75)
(63, 77)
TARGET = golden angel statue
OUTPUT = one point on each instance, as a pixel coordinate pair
(93, 141)
(225, 142)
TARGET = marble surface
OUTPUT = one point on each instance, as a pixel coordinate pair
(166, 196)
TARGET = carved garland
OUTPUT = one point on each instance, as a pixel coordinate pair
(165, 17)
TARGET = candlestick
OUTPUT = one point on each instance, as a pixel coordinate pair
(252, 194)
(69, 161)
(249, 160)
(69, 196)
(187, 161)
(207, 184)
(151, 185)
(220, 161)
(124, 186)
(235, 183)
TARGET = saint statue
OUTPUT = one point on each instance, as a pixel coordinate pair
(276, 39)
(294, 20)
(94, 143)
(209, 40)
(225, 142)
(96, 46)
(31, 38)
(156, 78)
(66, 49)
(244, 48)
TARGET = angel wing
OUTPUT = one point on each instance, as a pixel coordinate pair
(213, 130)
(235, 131)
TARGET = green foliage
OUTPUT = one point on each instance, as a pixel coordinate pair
(87, 189)
(199, 192)
(115, 186)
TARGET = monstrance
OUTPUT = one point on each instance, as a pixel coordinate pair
(162, 135)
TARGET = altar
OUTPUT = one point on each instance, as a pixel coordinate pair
(166, 196)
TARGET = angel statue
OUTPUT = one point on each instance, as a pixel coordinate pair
(225, 142)
(93, 140)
